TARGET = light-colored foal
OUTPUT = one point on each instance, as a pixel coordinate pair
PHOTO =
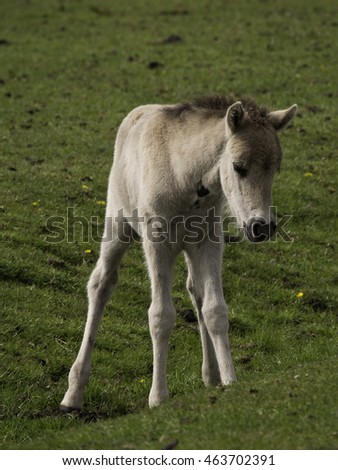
(181, 161)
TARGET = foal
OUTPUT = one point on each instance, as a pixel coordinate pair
(174, 165)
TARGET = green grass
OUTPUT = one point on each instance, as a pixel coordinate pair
(69, 73)
(251, 414)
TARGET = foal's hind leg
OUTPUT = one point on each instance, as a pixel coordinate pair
(100, 287)
(210, 369)
(205, 270)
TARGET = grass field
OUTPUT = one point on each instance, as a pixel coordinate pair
(69, 73)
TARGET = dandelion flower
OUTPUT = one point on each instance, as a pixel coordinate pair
(299, 295)
(88, 252)
(101, 203)
(35, 203)
(85, 187)
(141, 381)
(308, 174)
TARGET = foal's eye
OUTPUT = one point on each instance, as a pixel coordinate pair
(240, 169)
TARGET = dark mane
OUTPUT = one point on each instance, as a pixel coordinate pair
(216, 106)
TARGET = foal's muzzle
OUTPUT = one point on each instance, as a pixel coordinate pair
(259, 230)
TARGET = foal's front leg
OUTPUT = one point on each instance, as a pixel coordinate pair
(160, 261)
(100, 287)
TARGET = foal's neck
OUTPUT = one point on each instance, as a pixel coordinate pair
(197, 150)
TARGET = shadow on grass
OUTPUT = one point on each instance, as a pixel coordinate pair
(85, 416)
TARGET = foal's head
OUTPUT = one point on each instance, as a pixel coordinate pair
(252, 157)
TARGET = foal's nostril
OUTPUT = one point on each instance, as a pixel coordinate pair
(258, 230)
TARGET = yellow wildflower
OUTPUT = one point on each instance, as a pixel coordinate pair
(85, 187)
(35, 203)
(88, 252)
(101, 203)
(299, 295)
(308, 174)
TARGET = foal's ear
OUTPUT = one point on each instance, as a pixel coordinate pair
(234, 116)
(280, 119)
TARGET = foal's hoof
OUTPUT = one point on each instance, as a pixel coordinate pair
(229, 380)
(72, 401)
(68, 409)
(157, 400)
(68, 405)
